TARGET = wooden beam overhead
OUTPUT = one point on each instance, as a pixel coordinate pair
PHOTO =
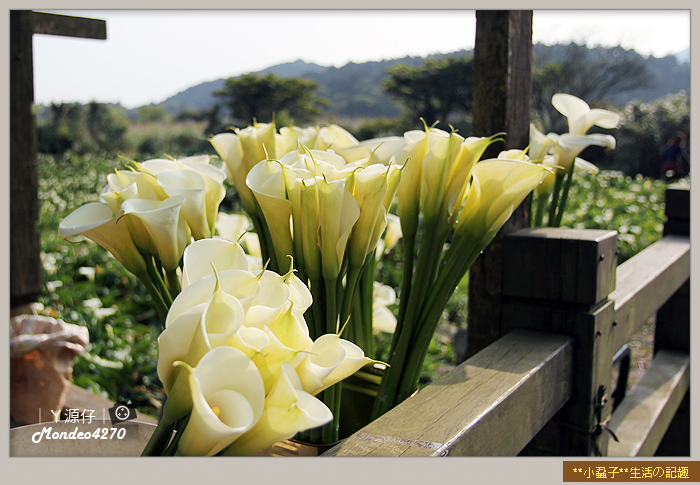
(68, 26)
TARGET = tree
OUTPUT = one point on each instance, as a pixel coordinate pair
(91, 128)
(589, 74)
(434, 91)
(152, 114)
(252, 96)
(645, 129)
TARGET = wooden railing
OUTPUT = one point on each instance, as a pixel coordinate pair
(544, 388)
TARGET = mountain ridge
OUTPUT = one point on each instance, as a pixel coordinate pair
(355, 89)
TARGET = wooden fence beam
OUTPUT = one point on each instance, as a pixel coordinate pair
(645, 413)
(491, 405)
(646, 281)
(69, 26)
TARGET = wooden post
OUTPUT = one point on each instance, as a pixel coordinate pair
(672, 331)
(26, 280)
(25, 265)
(502, 88)
(558, 280)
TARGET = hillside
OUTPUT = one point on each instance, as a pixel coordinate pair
(355, 90)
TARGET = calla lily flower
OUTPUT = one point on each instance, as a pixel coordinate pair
(228, 399)
(440, 182)
(391, 235)
(383, 320)
(580, 116)
(325, 354)
(201, 257)
(291, 330)
(568, 146)
(288, 410)
(193, 188)
(409, 189)
(353, 361)
(96, 222)
(540, 144)
(146, 184)
(335, 137)
(309, 223)
(330, 360)
(291, 137)
(369, 187)
(241, 284)
(232, 226)
(338, 212)
(167, 230)
(267, 182)
(497, 188)
(196, 331)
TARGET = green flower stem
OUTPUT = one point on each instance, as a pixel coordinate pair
(331, 398)
(352, 279)
(555, 198)
(539, 215)
(159, 439)
(367, 303)
(179, 428)
(363, 307)
(317, 327)
(315, 435)
(430, 317)
(157, 279)
(409, 242)
(331, 305)
(173, 283)
(161, 306)
(430, 251)
(267, 249)
(564, 195)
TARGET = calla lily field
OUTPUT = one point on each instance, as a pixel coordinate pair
(264, 314)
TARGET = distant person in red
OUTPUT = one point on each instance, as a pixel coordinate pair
(675, 158)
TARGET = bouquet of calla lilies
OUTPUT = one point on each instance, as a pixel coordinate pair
(265, 313)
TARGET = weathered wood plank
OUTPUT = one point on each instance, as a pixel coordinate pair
(560, 264)
(491, 405)
(69, 26)
(646, 281)
(642, 418)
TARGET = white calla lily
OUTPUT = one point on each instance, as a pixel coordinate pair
(168, 231)
(201, 257)
(288, 410)
(338, 212)
(580, 116)
(228, 399)
(497, 187)
(232, 226)
(266, 180)
(241, 284)
(568, 146)
(96, 221)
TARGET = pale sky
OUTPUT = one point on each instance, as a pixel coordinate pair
(151, 55)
